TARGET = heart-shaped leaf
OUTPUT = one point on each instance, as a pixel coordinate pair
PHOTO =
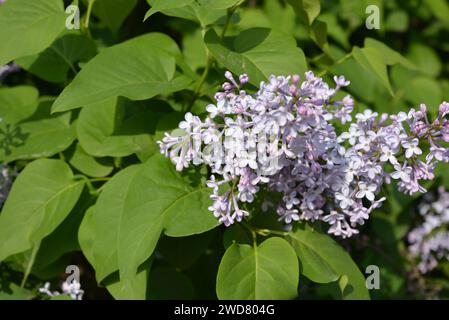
(42, 196)
(266, 271)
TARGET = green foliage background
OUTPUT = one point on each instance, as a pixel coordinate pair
(81, 121)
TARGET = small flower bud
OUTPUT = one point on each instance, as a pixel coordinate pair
(296, 78)
(243, 78)
(292, 89)
(443, 109)
(423, 108)
(419, 127)
(227, 86)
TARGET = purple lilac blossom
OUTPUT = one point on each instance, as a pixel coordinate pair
(283, 138)
(429, 241)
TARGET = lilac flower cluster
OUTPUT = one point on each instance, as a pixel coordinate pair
(283, 139)
(429, 242)
(72, 289)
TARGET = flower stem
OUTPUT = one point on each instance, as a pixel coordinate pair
(263, 232)
(88, 14)
(100, 179)
(339, 61)
(202, 80)
(89, 181)
(210, 60)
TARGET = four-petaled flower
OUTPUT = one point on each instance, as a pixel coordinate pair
(411, 148)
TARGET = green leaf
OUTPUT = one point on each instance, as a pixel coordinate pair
(28, 27)
(219, 4)
(133, 209)
(372, 60)
(426, 90)
(138, 69)
(54, 63)
(14, 292)
(236, 233)
(93, 167)
(397, 21)
(161, 5)
(17, 103)
(205, 12)
(279, 17)
(113, 12)
(334, 29)
(375, 57)
(269, 271)
(426, 59)
(97, 241)
(445, 87)
(86, 241)
(117, 128)
(194, 49)
(133, 289)
(41, 135)
(307, 10)
(318, 33)
(390, 56)
(439, 8)
(323, 260)
(259, 52)
(182, 252)
(64, 239)
(41, 198)
(168, 283)
(363, 83)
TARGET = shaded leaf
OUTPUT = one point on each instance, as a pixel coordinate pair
(259, 52)
(113, 12)
(161, 5)
(137, 69)
(168, 283)
(134, 289)
(373, 61)
(40, 199)
(323, 261)
(307, 10)
(204, 12)
(28, 27)
(138, 204)
(117, 128)
(266, 271)
(17, 103)
(54, 63)
(41, 135)
(93, 167)
(426, 59)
